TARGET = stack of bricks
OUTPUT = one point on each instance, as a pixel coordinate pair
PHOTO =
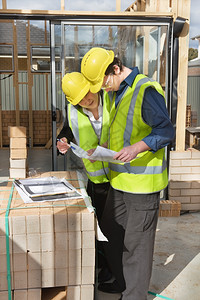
(169, 208)
(184, 179)
(18, 151)
(52, 246)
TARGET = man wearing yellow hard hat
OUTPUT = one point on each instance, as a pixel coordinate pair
(139, 130)
(87, 122)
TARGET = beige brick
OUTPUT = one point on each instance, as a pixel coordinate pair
(20, 294)
(3, 263)
(19, 262)
(88, 275)
(48, 278)
(195, 184)
(191, 162)
(190, 177)
(17, 163)
(61, 259)
(73, 293)
(180, 184)
(16, 131)
(35, 278)
(61, 241)
(173, 192)
(191, 206)
(46, 221)
(34, 294)
(196, 170)
(75, 276)
(19, 243)
(32, 224)
(3, 282)
(4, 295)
(18, 225)
(175, 162)
(60, 221)
(18, 142)
(3, 245)
(190, 192)
(88, 239)
(195, 199)
(180, 155)
(180, 170)
(34, 260)
(74, 240)
(87, 221)
(18, 153)
(47, 241)
(74, 258)
(17, 173)
(61, 277)
(47, 260)
(74, 221)
(195, 154)
(20, 280)
(182, 199)
(87, 292)
(88, 257)
(33, 242)
(174, 177)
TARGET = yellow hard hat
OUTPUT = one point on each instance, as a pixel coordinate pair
(94, 65)
(75, 86)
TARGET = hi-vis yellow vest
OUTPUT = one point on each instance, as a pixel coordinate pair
(148, 172)
(86, 138)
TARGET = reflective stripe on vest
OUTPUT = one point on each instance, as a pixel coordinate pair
(127, 168)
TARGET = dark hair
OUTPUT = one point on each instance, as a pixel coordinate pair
(110, 69)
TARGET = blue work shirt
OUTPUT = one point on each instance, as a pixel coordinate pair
(154, 113)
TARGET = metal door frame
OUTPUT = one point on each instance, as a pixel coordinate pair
(106, 21)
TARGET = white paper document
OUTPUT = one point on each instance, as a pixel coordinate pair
(101, 153)
(46, 189)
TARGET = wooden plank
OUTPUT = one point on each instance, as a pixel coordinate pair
(30, 84)
(4, 4)
(16, 84)
(118, 5)
(1, 128)
(62, 4)
(81, 13)
(183, 11)
(47, 107)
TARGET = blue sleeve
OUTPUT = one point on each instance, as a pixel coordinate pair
(155, 114)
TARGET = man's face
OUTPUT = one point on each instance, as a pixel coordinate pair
(112, 82)
(90, 101)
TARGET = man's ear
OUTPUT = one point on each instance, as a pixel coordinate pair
(116, 69)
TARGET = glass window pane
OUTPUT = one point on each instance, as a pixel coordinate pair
(134, 45)
(41, 61)
(6, 58)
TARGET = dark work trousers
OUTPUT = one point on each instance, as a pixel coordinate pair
(98, 193)
(129, 222)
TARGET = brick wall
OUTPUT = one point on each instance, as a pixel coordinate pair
(184, 178)
(40, 128)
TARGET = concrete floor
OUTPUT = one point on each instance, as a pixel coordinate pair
(176, 267)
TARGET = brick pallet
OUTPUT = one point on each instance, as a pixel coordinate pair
(51, 244)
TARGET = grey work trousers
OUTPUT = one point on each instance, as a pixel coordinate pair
(129, 222)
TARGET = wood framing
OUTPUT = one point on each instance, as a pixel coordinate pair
(139, 8)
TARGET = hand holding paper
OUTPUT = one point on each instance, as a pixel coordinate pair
(101, 153)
